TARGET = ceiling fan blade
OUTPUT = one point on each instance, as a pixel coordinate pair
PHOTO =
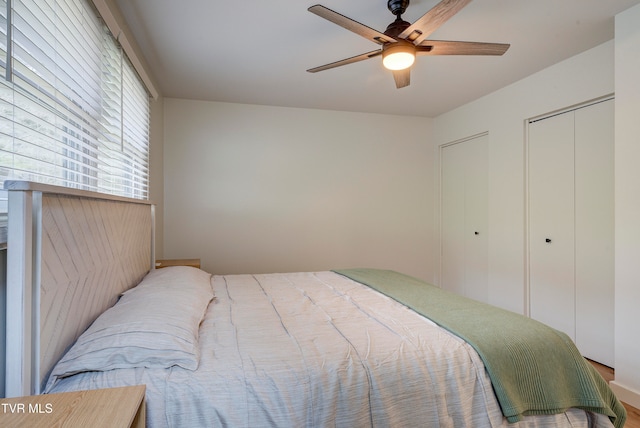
(402, 77)
(351, 25)
(442, 47)
(432, 20)
(346, 61)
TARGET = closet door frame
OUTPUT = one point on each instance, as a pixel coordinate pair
(441, 149)
(527, 237)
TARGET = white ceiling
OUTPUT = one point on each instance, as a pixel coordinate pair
(258, 51)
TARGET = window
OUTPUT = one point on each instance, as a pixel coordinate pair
(73, 111)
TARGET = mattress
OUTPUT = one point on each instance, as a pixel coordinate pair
(315, 349)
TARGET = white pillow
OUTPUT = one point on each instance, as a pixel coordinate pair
(153, 325)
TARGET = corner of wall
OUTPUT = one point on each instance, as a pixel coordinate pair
(627, 205)
(156, 171)
(625, 394)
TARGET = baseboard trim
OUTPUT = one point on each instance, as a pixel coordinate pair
(626, 394)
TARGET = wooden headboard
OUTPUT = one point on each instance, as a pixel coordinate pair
(70, 253)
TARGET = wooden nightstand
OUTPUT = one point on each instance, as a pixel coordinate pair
(178, 262)
(100, 408)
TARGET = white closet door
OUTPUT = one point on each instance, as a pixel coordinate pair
(476, 219)
(571, 226)
(452, 212)
(595, 231)
(465, 217)
(551, 222)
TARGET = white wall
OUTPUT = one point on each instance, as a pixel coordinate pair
(251, 189)
(503, 114)
(627, 179)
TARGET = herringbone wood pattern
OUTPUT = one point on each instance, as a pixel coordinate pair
(92, 250)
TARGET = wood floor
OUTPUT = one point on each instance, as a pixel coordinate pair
(633, 414)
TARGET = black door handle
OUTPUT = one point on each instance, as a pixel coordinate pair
(547, 240)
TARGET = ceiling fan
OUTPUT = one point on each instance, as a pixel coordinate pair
(401, 41)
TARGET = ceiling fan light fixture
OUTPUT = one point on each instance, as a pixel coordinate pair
(402, 41)
(399, 56)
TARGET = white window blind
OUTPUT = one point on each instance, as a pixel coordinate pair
(3, 122)
(73, 111)
(3, 36)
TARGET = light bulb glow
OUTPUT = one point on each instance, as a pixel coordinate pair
(398, 56)
(398, 60)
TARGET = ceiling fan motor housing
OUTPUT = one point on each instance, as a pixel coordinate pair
(397, 7)
(396, 28)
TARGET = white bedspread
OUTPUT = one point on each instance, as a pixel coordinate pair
(316, 350)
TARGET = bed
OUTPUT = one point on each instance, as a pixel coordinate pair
(356, 348)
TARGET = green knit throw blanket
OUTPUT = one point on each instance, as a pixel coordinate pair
(533, 368)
